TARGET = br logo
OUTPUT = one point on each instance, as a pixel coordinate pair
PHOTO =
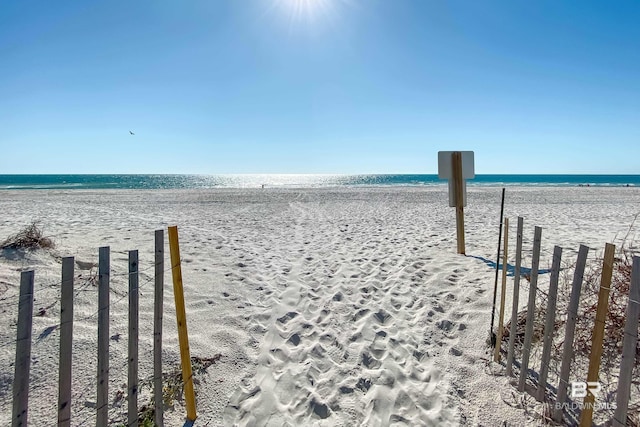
(581, 388)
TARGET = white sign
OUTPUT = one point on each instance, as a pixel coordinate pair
(445, 171)
(445, 167)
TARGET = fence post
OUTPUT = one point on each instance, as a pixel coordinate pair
(528, 336)
(23, 351)
(629, 347)
(516, 294)
(66, 343)
(503, 290)
(102, 401)
(185, 354)
(598, 332)
(132, 392)
(567, 350)
(157, 328)
(549, 322)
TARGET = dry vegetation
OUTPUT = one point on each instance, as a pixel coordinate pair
(29, 238)
(173, 387)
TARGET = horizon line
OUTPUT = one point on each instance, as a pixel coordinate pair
(308, 174)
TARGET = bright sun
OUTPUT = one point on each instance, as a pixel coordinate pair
(306, 10)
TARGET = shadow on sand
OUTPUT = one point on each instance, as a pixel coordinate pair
(524, 271)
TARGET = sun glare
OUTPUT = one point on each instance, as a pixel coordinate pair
(307, 11)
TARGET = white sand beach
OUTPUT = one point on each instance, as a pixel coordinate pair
(328, 307)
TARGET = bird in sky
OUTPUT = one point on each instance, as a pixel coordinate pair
(131, 133)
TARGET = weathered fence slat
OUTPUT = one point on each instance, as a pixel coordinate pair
(23, 351)
(598, 332)
(628, 347)
(528, 337)
(102, 401)
(157, 327)
(132, 387)
(516, 295)
(567, 349)
(66, 343)
(503, 290)
(181, 317)
(549, 322)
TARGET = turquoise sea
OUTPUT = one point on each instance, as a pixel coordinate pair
(29, 182)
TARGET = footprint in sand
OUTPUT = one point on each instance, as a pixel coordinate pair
(455, 351)
(287, 317)
(445, 325)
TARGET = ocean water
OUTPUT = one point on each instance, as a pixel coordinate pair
(69, 182)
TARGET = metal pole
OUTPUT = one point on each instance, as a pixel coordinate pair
(495, 284)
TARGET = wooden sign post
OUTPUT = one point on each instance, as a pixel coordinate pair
(457, 166)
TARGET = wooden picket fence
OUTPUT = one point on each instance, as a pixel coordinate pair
(24, 332)
(542, 390)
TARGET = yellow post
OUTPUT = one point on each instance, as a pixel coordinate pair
(496, 355)
(598, 332)
(457, 185)
(181, 316)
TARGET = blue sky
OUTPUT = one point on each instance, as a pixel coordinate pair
(319, 86)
